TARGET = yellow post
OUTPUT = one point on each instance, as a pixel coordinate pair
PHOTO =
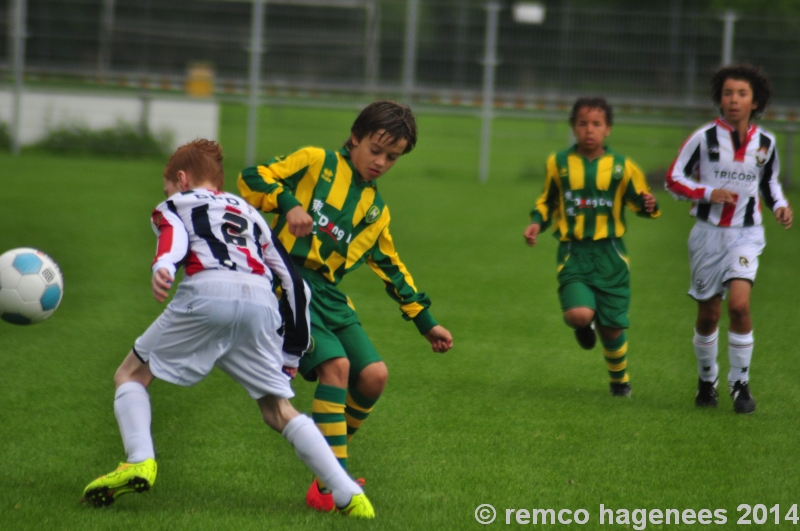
(200, 80)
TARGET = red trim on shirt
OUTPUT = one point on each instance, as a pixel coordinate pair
(165, 235)
(193, 264)
(229, 208)
(727, 212)
(723, 124)
(739, 155)
(680, 189)
(252, 263)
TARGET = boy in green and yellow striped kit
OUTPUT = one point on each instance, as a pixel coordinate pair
(331, 219)
(585, 189)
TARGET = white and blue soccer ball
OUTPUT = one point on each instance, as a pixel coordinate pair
(31, 286)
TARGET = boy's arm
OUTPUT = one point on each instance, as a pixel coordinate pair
(271, 187)
(548, 204)
(399, 285)
(678, 179)
(173, 244)
(295, 299)
(772, 192)
(637, 194)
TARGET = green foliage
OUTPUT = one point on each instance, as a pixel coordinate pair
(517, 415)
(5, 137)
(122, 140)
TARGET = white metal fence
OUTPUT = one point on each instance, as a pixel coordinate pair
(360, 45)
(424, 51)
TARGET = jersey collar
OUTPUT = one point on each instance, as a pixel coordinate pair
(359, 181)
(728, 127)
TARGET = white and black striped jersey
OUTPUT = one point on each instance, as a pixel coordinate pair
(205, 229)
(713, 157)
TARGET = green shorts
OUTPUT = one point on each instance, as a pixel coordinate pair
(336, 331)
(595, 274)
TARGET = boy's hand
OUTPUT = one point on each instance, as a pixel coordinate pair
(291, 372)
(784, 216)
(299, 221)
(531, 232)
(440, 338)
(161, 283)
(720, 196)
(649, 202)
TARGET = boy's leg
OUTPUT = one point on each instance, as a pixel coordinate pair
(706, 348)
(740, 346)
(311, 447)
(615, 349)
(132, 409)
(578, 304)
(613, 294)
(367, 379)
(327, 362)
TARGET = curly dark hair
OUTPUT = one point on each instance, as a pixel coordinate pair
(758, 80)
(596, 102)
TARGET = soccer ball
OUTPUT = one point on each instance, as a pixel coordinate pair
(31, 286)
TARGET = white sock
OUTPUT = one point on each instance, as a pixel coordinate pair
(132, 409)
(311, 448)
(705, 350)
(740, 352)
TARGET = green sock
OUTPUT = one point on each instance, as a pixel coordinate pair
(614, 353)
(358, 407)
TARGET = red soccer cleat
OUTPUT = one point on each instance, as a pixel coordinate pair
(317, 500)
(323, 502)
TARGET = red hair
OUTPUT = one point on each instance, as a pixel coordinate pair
(201, 159)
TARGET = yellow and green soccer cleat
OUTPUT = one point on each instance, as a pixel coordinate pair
(359, 507)
(128, 477)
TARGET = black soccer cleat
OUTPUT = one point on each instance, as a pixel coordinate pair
(742, 399)
(706, 394)
(586, 337)
(620, 389)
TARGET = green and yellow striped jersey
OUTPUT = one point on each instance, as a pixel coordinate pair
(351, 221)
(583, 199)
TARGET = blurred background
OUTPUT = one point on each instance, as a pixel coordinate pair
(659, 50)
(651, 59)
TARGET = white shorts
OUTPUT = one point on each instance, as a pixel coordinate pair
(219, 318)
(718, 255)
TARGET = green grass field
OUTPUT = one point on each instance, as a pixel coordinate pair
(516, 415)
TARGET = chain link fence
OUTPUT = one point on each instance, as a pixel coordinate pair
(660, 57)
(653, 64)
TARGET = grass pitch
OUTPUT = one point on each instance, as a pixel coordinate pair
(516, 415)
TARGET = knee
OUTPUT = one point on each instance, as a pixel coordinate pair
(579, 317)
(707, 321)
(276, 412)
(334, 372)
(739, 310)
(122, 376)
(371, 381)
(610, 334)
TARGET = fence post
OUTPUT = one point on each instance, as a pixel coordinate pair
(460, 59)
(372, 44)
(256, 30)
(729, 18)
(489, 64)
(106, 34)
(410, 52)
(18, 35)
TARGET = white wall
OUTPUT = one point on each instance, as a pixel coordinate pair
(184, 118)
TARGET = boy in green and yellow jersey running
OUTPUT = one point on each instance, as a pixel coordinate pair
(331, 219)
(584, 192)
